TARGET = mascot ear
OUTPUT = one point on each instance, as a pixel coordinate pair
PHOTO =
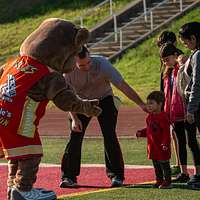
(82, 37)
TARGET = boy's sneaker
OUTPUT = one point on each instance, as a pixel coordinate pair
(116, 182)
(182, 178)
(34, 194)
(194, 180)
(158, 183)
(175, 170)
(68, 182)
(166, 185)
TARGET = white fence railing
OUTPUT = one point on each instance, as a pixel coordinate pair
(117, 35)
(181, 4)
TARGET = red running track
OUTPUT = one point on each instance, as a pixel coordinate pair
(90, 179)
(54, 123)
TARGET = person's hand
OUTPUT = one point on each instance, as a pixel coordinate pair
(138, 133)
(77, 125)
(182, 59)
(144, 107)
(190, 118)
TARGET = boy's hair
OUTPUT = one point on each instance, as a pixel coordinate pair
(84, 52)
(189, 29)
(166, 37)
(168, 49)
(157, 96)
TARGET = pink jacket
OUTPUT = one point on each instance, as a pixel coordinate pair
(174, 105)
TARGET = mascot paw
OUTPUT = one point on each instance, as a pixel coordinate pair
(91, 108)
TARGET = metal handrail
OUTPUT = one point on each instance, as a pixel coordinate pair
(134, 20)
(142, 15)
(145, 10)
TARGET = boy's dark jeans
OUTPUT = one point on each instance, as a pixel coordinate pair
(70, 165)
(162, 169)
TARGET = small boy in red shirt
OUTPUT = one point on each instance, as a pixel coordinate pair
(158, 139)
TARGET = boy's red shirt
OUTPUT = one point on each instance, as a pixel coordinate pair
(158, 135)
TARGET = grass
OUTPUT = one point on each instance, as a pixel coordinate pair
(134, 151)
(141, 193)
(16, 10)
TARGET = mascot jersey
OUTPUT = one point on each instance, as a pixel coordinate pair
(19, 114)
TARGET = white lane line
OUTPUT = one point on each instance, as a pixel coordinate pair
(101, 166)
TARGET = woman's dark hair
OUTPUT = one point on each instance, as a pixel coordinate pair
(157, 96)
(168, 49)
(84, 52)
(189, 29)
(166, 37)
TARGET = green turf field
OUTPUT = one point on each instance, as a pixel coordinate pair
(134, 152)
(142, 193)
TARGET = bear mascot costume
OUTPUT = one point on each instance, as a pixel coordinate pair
(27, 83)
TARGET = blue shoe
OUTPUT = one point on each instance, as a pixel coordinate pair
(182, 178)
(116, 182)
(194, 180)
(34, 194)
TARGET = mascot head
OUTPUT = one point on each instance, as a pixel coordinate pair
(55, 43)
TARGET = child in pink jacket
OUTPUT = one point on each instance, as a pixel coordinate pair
(175, 108)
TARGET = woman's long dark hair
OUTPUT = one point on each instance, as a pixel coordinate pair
(189, 29)
(166, 37)
(167, 49)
